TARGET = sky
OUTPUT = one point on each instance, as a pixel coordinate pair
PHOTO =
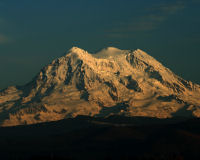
(34, 32)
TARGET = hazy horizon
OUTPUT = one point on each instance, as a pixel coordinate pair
(33, 33)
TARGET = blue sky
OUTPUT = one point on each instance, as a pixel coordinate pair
(34, 32)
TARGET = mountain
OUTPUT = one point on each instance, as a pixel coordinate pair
(109, 82)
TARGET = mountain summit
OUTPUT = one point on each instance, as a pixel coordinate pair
(112, 81)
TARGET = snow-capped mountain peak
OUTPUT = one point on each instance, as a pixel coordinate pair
(111, 81)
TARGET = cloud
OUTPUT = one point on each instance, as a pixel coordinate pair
(4, 39)
(1, 21)
(172, 8)
(148, 22)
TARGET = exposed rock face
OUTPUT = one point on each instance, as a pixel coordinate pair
(112, 81)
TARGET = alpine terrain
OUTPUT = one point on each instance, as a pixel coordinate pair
(110, 82)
